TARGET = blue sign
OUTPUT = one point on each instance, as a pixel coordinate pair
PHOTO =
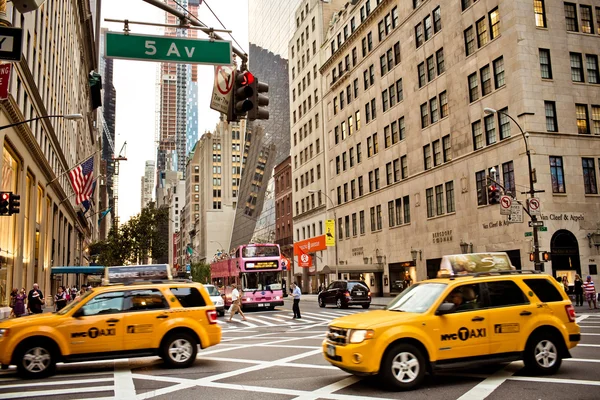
(188, 268)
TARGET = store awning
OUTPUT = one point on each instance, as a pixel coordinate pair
(77, 270)
(364, 268)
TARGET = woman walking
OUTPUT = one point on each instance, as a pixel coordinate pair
(236, 303)
(19, 306)
(60, 299)
(578, 290)
(590, 292)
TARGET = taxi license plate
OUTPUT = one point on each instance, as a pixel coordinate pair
(331, 350)
(264, 304)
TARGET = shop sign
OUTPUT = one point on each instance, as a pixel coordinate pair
(563, 217)
(357, 251)
(442, 236)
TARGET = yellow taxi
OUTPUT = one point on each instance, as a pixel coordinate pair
(458, 321)
(168, 319)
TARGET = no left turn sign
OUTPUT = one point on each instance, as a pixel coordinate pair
(534, 206)
(505, 204)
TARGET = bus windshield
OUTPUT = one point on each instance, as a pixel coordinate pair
(254, 281)
(260, 251)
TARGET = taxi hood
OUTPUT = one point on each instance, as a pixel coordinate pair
(373, 319)
(35, 319)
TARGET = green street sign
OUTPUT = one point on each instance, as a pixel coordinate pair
(165, 48)
(527, 234)
(543, 229)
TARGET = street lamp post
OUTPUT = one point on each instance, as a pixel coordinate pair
(65, 116)
(319, 191)
(536, 244)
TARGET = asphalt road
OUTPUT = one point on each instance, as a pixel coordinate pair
(272, 356)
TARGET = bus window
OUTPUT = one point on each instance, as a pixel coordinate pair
(260, 251)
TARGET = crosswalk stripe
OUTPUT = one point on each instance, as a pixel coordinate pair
(316, 316)
(260, 320)
(305, 320)
(280, 320)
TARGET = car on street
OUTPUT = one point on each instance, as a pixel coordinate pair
(456, 322)
(344, 293)
(217, 298)
(169, 319)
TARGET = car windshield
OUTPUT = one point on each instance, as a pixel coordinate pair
(75, 303)
(417, 298)
(260, 251)
(253, 281)
(212, 291)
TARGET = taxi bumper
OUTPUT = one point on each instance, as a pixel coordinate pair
(214, 336)
(360, 358)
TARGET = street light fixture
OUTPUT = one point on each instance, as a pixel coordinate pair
(65, 116)
(319, 191)
(536, 244)
(464, 247)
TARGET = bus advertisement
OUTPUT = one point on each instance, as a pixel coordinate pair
(258, 268)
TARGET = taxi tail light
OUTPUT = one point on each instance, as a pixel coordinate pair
(212, 316)
(570, 312)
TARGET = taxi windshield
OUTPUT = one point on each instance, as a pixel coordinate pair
(417, 298)
(74, 303)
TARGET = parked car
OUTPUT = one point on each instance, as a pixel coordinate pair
(216, 298)
(346, 293)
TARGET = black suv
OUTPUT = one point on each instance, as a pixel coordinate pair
(346, 293)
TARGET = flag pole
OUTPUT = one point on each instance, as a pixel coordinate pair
(72, 168)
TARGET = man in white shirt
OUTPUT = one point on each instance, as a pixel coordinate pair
(296, 294)
(236, 303)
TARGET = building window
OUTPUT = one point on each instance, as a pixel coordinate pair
(551, 122)
(540, 13)
(592, 68)
(576, 67)
(354, 227)
(477, 135)
(430, 68)
(490, 130)
(545, 64)
(571, 17)
(481, 186)
(372, 211)
(433, 108)
(482, 37)
(582, 119)
(427, 157)
(447, 147)
(421, 71)
(424, 115)
(443, 104)
(439, 199)
(587, 25)
(379, 218)
(361, 215)
(473, 87)
(340, 228)
(499, 72)
(404, 167)
(430, 205)
(450, 197)
(589, 176)
(494, 17)
(469, 41)
(508, 173)
(437, 153)
(486, 80)
(439, 57)
(596, 120)
(406, 204)
(360, 186)
(419, 34)
(557, 174)
(437, 20)
(504, 124)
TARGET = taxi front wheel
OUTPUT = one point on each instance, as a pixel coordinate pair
(403, 367)
(542, 354)
(179, 350)
(36, 360)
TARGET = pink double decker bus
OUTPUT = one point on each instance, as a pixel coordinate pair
(258, 268)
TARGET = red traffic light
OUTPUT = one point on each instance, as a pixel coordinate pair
(247, 78)
(5, 196)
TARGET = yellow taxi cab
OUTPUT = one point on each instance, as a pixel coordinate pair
(163, 318)
(456, 322)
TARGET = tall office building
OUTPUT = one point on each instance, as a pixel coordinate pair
(409, 142)
(148, 183)
(177, 83)
(271, 25)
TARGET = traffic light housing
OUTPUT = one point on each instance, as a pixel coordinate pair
(15, 203)
(259, 100)
(481, 196)
(242, 92)
(545, 256)
(493, 194)
(4, 203)
(531, 257)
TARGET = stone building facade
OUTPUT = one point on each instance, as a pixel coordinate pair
(409, 146)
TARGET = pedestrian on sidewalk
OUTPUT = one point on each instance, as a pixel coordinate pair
(578, 290)
(296, 294)
(35, 300)
(236, 302)
(60, 299)
(19, 306)
(590, 292)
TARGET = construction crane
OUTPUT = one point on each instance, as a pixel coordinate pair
(116, 160)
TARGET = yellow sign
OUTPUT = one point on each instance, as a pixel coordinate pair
(329, 232)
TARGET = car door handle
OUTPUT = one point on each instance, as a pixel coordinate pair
(112, 321)
(477, 319)
(162, 316)
(525, 313)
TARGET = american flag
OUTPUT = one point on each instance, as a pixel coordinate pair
(82, 179)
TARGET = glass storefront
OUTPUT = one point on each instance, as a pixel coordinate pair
(8, 183)
(402, 275)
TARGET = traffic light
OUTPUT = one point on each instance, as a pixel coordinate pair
(259, 100)
(531, 257)
(242, 93)
(545, 256)
(15, 203)
(493, 194)
(4, 202)
(481, 196)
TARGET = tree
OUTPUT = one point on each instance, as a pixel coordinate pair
(200, 272)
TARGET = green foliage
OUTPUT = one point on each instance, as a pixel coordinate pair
(144, 235)
(200, 272)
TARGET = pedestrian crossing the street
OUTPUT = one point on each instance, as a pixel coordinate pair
(283, 317)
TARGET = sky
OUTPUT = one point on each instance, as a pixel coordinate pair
(137, 95)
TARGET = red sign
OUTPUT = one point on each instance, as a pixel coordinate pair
(4, 80)
(304, 260)
(310, 245)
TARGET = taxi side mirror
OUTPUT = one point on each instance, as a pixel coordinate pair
(78, 313)
(445, 308)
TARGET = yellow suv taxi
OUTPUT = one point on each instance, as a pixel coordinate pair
(458, 322)
(168, 319)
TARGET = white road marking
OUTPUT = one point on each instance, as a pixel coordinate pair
(489, 385)
(57, 383)
(334, 387)
(582, 360)
(554, 380)
(590, 334)
(581, 318)
(57, 392)
(124, 387)
(588, 345)
(259, 321)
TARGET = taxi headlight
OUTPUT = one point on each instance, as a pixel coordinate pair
(360, 335)
(3, 333)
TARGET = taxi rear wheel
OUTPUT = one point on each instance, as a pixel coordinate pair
(403, 367)
(542, 355)
(36, 360)
(179, 350)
